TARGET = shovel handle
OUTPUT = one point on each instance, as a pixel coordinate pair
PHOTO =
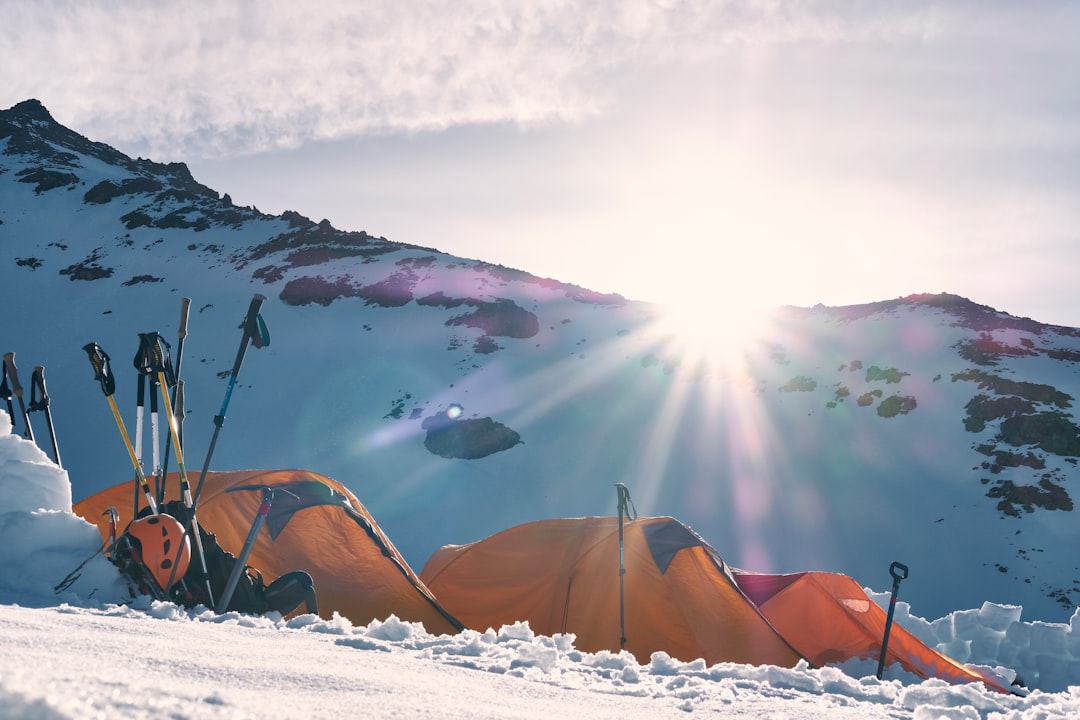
(898, 571)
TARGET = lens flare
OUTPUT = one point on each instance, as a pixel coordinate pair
(709, 334)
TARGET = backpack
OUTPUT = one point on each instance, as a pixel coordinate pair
(250, 596)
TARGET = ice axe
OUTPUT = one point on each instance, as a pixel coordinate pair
(899, 572)
(245, 552)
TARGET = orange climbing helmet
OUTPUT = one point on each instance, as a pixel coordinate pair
(155, 543)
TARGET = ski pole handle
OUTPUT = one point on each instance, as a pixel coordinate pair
(39, 401)
(16, 388)
(114, 518)
(12, 371)
(185, 307)
(99, 360)
(39, 396)
(178, 404)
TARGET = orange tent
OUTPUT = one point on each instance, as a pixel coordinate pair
(562, 576)
(317, 526)
(828, 618)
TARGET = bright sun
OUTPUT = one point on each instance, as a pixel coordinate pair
(711, 333)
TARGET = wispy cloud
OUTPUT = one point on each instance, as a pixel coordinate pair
(206, 78)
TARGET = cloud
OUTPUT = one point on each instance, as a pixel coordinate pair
(210, 78)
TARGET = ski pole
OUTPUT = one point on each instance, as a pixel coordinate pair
(177, 398)
(146, 376)
(899, 572)
(260, 518)
(623, 500)
(5, 393)
(155, 362)
(140, 402)
(114, 518)
(256, 333)
(37, 387)
(99, 360)
(12, 373)
(155, 433)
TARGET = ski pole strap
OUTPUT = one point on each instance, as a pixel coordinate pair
(254, 326)
(99, 360)
(625, 504)
(255, 332)
(254, 329)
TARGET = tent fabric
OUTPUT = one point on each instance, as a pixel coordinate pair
(316, 525)
(829, 618)
(562, 576)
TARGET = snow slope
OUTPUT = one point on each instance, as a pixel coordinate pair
(76, 653)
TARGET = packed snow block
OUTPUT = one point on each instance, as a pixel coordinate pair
(1048, 639)
(29, 480)
(958, 650)
(1019, 635)
(967, 623)
(1053, 674)
(1072, 644)
(986, 646)
(998, 617)
(1007, 653)
(943, 630)
(43, 547)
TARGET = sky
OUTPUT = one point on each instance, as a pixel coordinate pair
(123, 656)
(751, 153)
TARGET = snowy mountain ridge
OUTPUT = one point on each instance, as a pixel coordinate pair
(927, 429)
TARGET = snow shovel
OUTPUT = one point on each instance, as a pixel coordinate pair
(899, 572)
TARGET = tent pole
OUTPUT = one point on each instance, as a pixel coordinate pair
(623, 498)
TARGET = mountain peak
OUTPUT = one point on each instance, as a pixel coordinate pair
(31, 109)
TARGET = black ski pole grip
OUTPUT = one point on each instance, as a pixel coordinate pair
(39, 396)
(99, 360)
(185, 307)
(254, 328)
(13, 376)
(178, 403)
(12, 373)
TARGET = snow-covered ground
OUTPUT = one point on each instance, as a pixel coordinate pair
(82, 652)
